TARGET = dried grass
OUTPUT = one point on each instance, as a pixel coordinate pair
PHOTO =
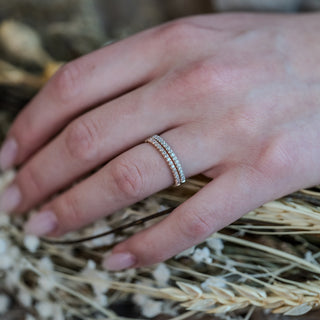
(264, 260)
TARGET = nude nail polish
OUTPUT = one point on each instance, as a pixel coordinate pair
(10, 199)
(119, 261)
(41, 223)
(8, 154)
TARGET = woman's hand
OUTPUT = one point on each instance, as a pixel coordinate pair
(237, 97)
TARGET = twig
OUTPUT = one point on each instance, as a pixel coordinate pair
(115, 230)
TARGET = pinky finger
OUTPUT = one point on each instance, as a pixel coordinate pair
(221, 202)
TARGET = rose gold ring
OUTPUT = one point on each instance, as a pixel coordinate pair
(170, 157)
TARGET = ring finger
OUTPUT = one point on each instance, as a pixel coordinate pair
(130, 177)
(87, 143)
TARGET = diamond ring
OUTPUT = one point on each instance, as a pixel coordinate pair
(170, 157)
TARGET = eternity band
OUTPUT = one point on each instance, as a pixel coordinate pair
(170, 157)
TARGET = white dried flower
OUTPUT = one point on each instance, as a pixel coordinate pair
(58, 312)
(217, 282)
(139, 299)
(149, 308)
(152, 308)
(216, 244)
(228, 317)
(102, 299)
(47, 282)
(15, 253)
(29, 317)
(130, 273)
(125, 274)
(100, 227)
(170, 308)
(45, 309)
(13, 275)
(4, 303)
(230, 264)
(6, 262)
(202, 255)
(4, 219)
(152, 205)
(185, 253)
(310, 258)
(99, 280)
(25, 297)
(91, 265)
(49, 310)
(45, 264)
(161, 274)
(3, 246)
(31, 242)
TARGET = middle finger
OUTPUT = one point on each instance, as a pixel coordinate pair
(130, 177)
(90, 141)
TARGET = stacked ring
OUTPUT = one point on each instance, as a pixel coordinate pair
(170, 157)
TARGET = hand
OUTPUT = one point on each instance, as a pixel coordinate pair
(237, 96)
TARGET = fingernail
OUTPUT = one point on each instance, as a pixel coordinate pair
(10, 198)
(119, 261)
(41, 223)
(8, 153)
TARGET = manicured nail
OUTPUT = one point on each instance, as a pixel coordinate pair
(119, 261)
(10, 198)
(8, 154)
(41, 223)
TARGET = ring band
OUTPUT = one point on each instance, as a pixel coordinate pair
(170, 157)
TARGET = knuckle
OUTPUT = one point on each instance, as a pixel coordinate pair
(195, 224)
(176, 35)
(30, 181)
(68, 211)
(218, 75)
(127, 179)
(245, 124)
(204, 72)
(278, 159)
(81, 139)
(66, 82)
(175, 29)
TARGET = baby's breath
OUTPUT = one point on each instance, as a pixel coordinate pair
(225, 273)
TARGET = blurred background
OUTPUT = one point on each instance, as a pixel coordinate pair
(37, 36)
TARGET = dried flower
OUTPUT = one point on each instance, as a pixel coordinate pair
(4, 303)
(31, 243)
(202, 255)
(161, 274)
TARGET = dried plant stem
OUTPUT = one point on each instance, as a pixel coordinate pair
(185, 315)
(280, 298)
(302, 263)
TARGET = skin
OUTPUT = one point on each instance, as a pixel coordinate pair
(237, 96)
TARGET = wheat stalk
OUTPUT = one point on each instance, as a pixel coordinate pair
(226, 273)
(282, 298)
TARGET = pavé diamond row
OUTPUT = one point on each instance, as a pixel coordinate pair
(167, 153)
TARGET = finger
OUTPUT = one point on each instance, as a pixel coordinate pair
(76, 87)
(130, 177)
(86, 143)
(98, 136)
(222, 201)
